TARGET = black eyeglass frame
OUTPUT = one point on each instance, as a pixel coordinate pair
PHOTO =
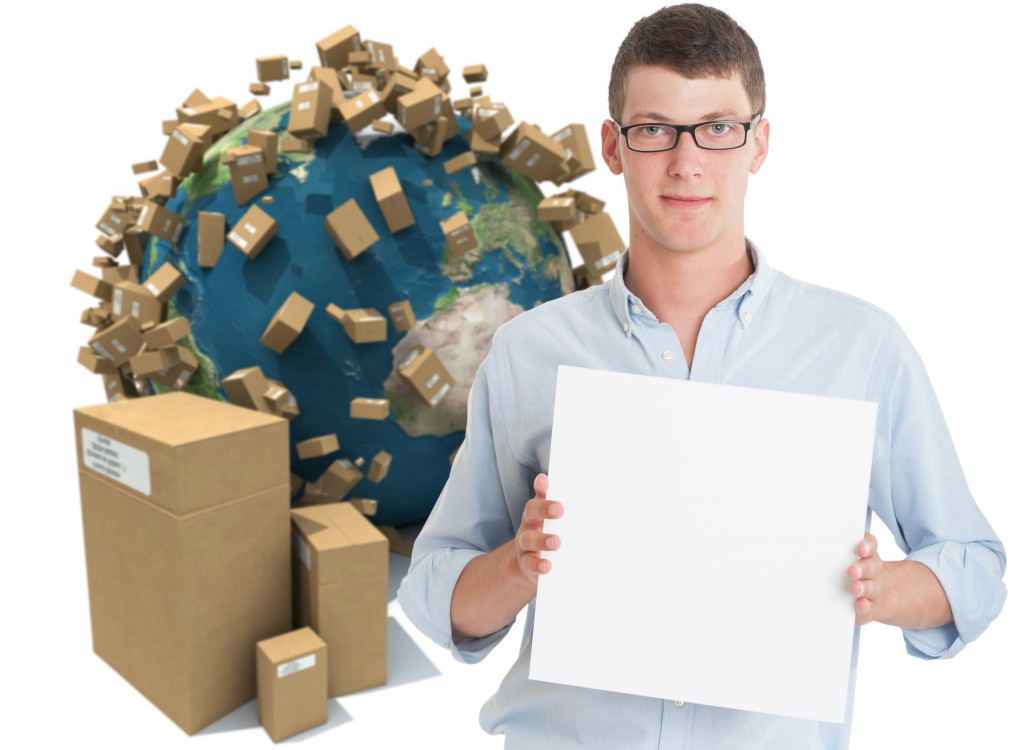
(691, 129)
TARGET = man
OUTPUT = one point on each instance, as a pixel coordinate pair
(694, 299)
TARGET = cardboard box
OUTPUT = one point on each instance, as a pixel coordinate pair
(350, 229)
(361, 110)
(364, 505)
(118, 341)
(196, 99)
(393, 204)
(459, 233)
(334, 49)
(369, 408)
(341, 582)
(425, 374)
(476, 91)
(474, 73)
(431, 66)
(266, 141)
(482, 145)
(382, 57)
(556, 208)
(318, 446)
(219, 114)
(379, 467)
(273, 68)
(295, 64)
(339, 478)
(210, 240)
(253, 231)
(103, 261)
(599, 243)
(259, 89)
(112, 246)
(187, 562)
(96, 317)
(490, 122)
(420, 106)
(167, 334)
(581, 159)
(291, 683)
(287, 323)
(183, 153)
(159, 221)
(248, 172)
(430, 138)
(144, 166)
(397, 85)
(396, 542)
(365, 325)
(115, 220)
(250, 109)
(402, 315)
(135, 244)
(456, 163)
(246, 387)
(89, 284)
(310, 111)
(532, 153)
(160, 187)
(295, 146)
(94, 363)
(165, 282)
(329, 77)
(137, 303)
(181, 372)
(383, 126)
(150, 362)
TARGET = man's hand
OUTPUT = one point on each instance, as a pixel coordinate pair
(531, 539)
(869, 581)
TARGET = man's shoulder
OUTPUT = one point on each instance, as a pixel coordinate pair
(803, 297)
(558, 316)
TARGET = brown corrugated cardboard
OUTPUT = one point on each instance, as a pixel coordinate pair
(420, 106)
(89, 284)
(476, 91)
(266, 141)
(312, 497)
(187, 563)
(259, 89)
(295, 64)
(359, 58)
(532, 153)
(329, 77)
(339, 478)
(383, 126)
(474, 73)
(341, 587)
(118, 341)
(430, 138)
(379, 467)
(393, 204)
(361, 110)
(273, 68)
(310, 110)
(459, 233)
(219, 114)
(196, 99)
(103, 261)
(350, 229)
(574, 138)
(167, 334)
(318, 446)
(179, 374)
(333, 49)
(183, 153)
(296, 484)
(364, 505)
(246, 387)
(431, 66)
(599, 243)
(253, 231)
(267, 199)
(369, 408)
(396, 86)
(556, 208)
(210, 240)
(115, 220)
(135, 244)
(150, 362)
(480, 144)
(336, 313)
(96, 317)
(250, 109)
(294, 146)
(365, 325)
(116, 274)
(165, 281)
(425, 374)
(159, 221)
(112, 246)
(463, 160)
(137, 303)
(167, 126)
(160, 187)
(402, 315)
(382, 57)
(144, 166)
(287, 323)
(93, 362)
(490, 122)
(291, 680)
(248, 172)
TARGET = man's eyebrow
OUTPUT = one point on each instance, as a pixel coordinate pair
(709, 117)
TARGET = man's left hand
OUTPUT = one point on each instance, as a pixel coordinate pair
(869, 582)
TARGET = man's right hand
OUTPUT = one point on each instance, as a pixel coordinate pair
(531, 539)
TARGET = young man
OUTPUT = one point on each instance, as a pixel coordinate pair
(694, 299)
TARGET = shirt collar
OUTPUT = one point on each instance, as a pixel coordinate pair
(745, 300)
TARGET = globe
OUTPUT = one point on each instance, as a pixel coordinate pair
(458, 301)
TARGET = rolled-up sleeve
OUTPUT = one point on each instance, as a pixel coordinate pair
(919, 491)
(471, 516)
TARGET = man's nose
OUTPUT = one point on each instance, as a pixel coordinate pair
(687, 158)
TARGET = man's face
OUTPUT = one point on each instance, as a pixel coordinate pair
(688, 199)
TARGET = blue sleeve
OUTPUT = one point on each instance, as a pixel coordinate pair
(471, 517)
(918, 489)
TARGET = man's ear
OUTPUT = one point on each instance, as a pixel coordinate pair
(760, 146)
(610, 146)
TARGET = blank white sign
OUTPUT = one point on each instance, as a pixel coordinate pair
(705, 541)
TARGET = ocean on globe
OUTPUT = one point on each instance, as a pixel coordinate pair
(458, 301)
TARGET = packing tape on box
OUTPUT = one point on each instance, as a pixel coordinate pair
(179, 138)
(296, 665)
(117, 345)
(433, 379)
(107, 229)
(284, 68)
(518, 150)
(245, 161)
(249, 178)
(439, 395)
(533, 160)
(238, 240)
(607, 260)
(100, 350)
(118, 296)
(304, 105)
(406, 362)
(249, 228)
(306, 88)
(135, 309)
(153, 288)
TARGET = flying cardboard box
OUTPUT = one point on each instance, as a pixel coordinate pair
(253, 231)
(482, 145)
(311, 110)
(329, 77)
(266, 140)
(402, 315)
(361, 110)
(430, 137)
(160, 187)
(317, 446)
(183, 153)
(294, 146)
(89, 284)
(291, 683)
(369, 408)
(393, 204)
(334, 49)
(167, 334)
(135, 240)
(556, 208)
(280, 400)
(459, 233)
(112, 245)
(419, 106)
(210, 237)
(364, 505)
(250, 109)
(359, 59)
(164, 282)
(138, 303)
(115, 220)
(219, 114)
(456, 163)
(96, 317)
(431, 66)
(287, 323)
(339, 478)
(159, 221)
(383, 126)
(599, 243)
(382, 57)
(246, 387)
(260, 89)
(118, 341)
(397, 85)
(144, 166)
(185, 514)
(490, 122)
(581, 160)
(248, 171)
(93, 362)
(341, 583)
(151, 362)
(379, 467)
(365, 325)
(474, 73)
(530, 152)
(181, 372)
(273, 68)
(196, 99)
(350, 229)
(425, 374)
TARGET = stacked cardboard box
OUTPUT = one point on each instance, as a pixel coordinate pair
(291, 678)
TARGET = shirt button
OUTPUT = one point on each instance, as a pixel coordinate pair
(678, 704)
(625, 327)
(666, 355)
(636, 309)
(747, 317)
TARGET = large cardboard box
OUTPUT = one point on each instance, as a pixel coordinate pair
(424, 372)
(287, 323)
(341, 585)
(185, 513)
(210, 238)
(334, 49)
(350, 229)
(253, 231)
(291, 675)
(393, 204)
(248, 171)
(272, 68)
(459, 233)
(311, 110)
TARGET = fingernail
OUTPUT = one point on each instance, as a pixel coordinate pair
(859, 571)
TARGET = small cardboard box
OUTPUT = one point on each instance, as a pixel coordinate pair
(340, 477)
(369, 408)
(137, 303)
(350, 229)
(425, 374)
(379, 467)
(183, 153)
(248, 172)
(318, 446)
(311, 110)
(150, 362)
(581, 159)
(287, 323)
(334, 49)
(89, 284)
(430, 137)
(329, 77)
(253, 231)
(482, 145)
(291, 683)
(456, 163)
(532, 153)
(431, 66)
(382, 56)
(219, 114)
(474, 73)
(118, 341)
(490, 122)
(402, 315)
(393, 204)
(341, 585)
(93, 362)
(159, 221)
(396, 86)
(361, 110)
(162, 186)
(556, 208)
(167, 334)
(180, 373)
(266, 141)
(246, 387)
(260, 89)
(459, 233)
(365, 325)
(599, 243)
(144, 166)
(419, 106)
(165, 282)
(210, 237)
(185, 514)
(273, 68)
(250, 109)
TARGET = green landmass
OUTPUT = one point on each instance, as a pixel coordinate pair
(446, 200)
(447, 300)
(462, 204)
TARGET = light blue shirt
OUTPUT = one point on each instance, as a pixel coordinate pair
(773, 332)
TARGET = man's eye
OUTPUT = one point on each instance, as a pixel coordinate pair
(652, 131)
(718, 128)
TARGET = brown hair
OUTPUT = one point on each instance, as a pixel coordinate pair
(693, 40)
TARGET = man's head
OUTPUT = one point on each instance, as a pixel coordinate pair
(694, 41)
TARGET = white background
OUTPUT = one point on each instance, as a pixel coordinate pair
(893, 174)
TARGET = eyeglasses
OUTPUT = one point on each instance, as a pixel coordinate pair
(718, 135)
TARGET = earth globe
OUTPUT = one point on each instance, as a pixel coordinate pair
(458, 301)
